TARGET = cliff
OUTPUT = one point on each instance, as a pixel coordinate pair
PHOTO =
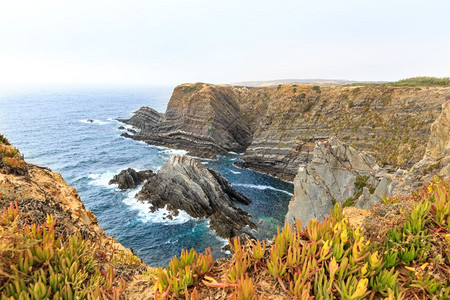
(339, 173)
(277, 127)
(51, 246)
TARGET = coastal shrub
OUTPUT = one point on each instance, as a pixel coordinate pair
(11, 161)
(423, 81)
(182, 273)
(332, 259)
(361, 182)
(34, 264)
(4, 140)
(316, 88)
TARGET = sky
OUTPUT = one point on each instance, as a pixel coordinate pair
(172, 42)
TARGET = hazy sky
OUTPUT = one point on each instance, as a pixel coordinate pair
(170, 42)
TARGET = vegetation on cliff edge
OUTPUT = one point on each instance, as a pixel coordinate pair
(408, 257)
(330, 259)
(412, 81)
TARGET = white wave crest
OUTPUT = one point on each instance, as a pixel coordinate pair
(95, 122)
(103, 179)
(160, 216)
(174, 152)
(262, 187)
(235, 172)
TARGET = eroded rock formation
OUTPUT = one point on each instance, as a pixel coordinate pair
(130, 178)
(336, 173)
(184, 183)
(278, 127)
(204, 119)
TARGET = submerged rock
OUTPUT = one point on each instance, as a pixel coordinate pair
(337, 173)
(184, 183)
(129, 178)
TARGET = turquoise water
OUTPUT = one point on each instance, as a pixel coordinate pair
(49, 126)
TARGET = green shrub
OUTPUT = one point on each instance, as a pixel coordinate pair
(4, 140)
(425, 81)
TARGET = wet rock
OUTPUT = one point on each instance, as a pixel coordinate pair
(185, 184)
(129, 178)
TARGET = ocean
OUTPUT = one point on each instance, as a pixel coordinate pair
(50, 127)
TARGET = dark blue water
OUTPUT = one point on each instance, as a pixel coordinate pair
(49, 126)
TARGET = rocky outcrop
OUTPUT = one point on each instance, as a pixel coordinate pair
(439, 143)
(436, 160)
(205, 120)
(336, 173)
(129, 178)
(185, 184)
(278, 127)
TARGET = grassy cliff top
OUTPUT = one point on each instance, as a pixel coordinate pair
(413, 81)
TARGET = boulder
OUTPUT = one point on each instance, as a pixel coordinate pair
(130, 178)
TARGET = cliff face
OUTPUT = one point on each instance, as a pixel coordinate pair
(204, 119)
(277, 127)
(337, 173)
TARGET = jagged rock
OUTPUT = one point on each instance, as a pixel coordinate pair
(439, 142)
(129, 178)
(121, 128)
(436, 160)
(337, 173)
(277, 127)
(184, 183)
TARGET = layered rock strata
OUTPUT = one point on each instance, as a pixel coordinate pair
(336, 173)
(339, 173)
(185, 184)
(203, 119)
(278, 127)
(436, 160)
(130, 178)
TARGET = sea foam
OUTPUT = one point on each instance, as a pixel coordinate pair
(95, 122)
(159, 216)
(262, 187)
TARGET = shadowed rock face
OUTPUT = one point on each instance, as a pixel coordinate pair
(129, 178)
(184, 183)
(337, 173)
(278, 127)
